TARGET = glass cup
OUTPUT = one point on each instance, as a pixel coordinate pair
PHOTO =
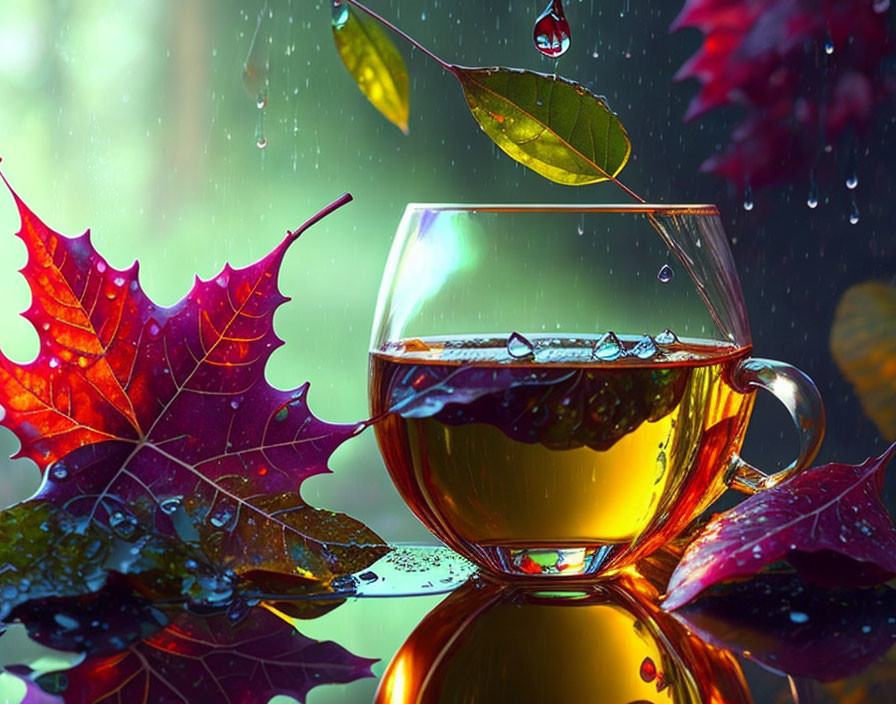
(560, 390)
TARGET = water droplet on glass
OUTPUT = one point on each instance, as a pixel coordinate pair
(340, 14)
(666, 337)
(607, 348)
(829, 44)
(880, 6)
(551, 31)
(518, 346)
(799, 617)
(748, 198)
(645, 349)
(666, 274)
(853, 212)
(852, 180)
(59, 472)
(648, 670)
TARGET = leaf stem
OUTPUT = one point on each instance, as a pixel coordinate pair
(320, 215)
(407, 37)
(629, 191)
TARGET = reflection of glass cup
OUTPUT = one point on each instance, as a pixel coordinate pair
(608, 644)
(563, 394)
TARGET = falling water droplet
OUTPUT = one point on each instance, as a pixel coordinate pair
(666, 337)
(812, 200)
(581, 226)
(829, 44)
(261, 101)
(607, 348)
(880, 6)
(748, 197)
(853, 212)
(518, 346)
(551, 31)
(666, 274)
(852, 180)
(261, 142)
(645, 349)
(340, 14)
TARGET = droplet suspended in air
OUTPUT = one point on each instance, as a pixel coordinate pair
(812, 200)
(518, 346)
(665, 274)
(829, 44)
(748, 198)
(852, 180)
(551, 31)
(853, 211)
(607, 348)
(339, 11)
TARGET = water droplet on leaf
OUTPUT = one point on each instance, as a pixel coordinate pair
(518, 346)
(221, 517)
(169, 506)
(648, 670)
(124, 524)
(59, 472)
(551, 31)
(340, 14)
(666, 274)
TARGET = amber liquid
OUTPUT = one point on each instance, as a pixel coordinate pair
(615, 456)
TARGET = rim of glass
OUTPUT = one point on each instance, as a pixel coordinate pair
(652, 208)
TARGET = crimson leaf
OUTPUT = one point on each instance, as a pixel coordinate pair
(829, 514)
(137, 412)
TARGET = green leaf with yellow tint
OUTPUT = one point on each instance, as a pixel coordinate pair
(554, 126)
(374, 62)
(863, 342)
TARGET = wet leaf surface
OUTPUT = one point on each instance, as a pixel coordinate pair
(374, 62)
(829, 521)
(159, 420)
(863, 342)
(210, 658)
(555, 127)
(795, 628)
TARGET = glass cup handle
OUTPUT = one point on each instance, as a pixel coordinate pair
(798, 394)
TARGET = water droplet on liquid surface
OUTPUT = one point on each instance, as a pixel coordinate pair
(551, 31)
(666, 274)
(518, 346)
(607, 348)
(666, 337)
(648, 670)
(645, 349)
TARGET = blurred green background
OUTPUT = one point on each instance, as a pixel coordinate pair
(131, 119)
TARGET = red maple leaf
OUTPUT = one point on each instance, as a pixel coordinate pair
(143, 415)
(829, 522)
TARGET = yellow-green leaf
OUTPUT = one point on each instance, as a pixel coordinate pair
(554, 126)
(863, 342)
(374, 62)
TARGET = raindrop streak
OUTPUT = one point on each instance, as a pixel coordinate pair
(812, 200)
(518, 346)
(666, 274)
(853, 211)
(258, 64)
(852, 180)
(829, 44)
(607, 348)
(551, 31)
(748, 197)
